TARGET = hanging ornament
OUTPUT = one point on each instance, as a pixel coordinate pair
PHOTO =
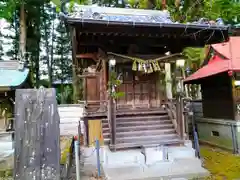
(150, 68)
(134, 65)
(145, 67)
(140, 66)
(156, 66)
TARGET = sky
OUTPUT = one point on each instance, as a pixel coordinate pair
(5, 30)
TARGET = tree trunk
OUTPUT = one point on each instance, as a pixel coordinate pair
(23, 32)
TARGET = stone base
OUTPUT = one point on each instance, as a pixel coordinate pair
(185, 168)
(148, 163)
(219, 132)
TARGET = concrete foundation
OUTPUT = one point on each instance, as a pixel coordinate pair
(219, 132)
(148, 163)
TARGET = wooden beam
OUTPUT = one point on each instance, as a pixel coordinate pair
(74, 65)
(87, 56)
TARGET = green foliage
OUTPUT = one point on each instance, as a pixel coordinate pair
(194, 56)
(226, 9)
(64, 94)
(114, 82)
(7, 8)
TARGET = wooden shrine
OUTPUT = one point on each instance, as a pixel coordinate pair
(119, 54)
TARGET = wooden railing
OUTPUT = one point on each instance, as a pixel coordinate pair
(171, 109)
(176, 113)
(94, 107)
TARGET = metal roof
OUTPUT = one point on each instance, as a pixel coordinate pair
(216, 65)
(12, 73)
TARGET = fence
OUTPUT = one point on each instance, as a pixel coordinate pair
(223, 133)
(37, 142)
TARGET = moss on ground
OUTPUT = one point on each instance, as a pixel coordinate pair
(6, 173)
(65, 143)
(221, 164)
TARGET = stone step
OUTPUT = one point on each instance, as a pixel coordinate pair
(69, 114)
(146, 138)
(178, 170)
(69, 119)
(145, 133)
(106, 140)
(70, 110)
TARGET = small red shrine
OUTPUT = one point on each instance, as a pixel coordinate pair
(219, 77)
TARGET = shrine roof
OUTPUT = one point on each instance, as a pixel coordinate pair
(111, 20)
(12, 74)
(231, 61)
(128, 16)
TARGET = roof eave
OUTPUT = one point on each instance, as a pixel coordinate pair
(76, 21)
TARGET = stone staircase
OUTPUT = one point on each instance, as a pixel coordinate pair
(70, 115)
(142, 128)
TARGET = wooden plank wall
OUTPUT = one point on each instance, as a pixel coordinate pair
(37, 143)
(95, 132)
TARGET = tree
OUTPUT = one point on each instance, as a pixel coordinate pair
(1, 46)
(47, 39)
(64, 59)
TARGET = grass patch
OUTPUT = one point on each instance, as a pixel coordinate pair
(221, 164)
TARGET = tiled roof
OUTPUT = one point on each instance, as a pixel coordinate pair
(126, 15)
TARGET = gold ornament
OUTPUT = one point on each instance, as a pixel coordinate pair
(134, 65)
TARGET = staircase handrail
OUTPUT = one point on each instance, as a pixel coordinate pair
(171, 109)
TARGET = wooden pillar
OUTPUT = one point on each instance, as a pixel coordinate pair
(236, 101)
(180, 120)
(104, 68)
(149, 92)
(111, 113)
(168, 80)
(133, 91)
(74, 66)
(100, 78)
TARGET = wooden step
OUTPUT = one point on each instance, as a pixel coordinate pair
(142, 127)
(141, 112)
(139, 120)
(128, 139)
(144, 123)
(137, 133)
(135, 119)
(142, 118)
(139, 144)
